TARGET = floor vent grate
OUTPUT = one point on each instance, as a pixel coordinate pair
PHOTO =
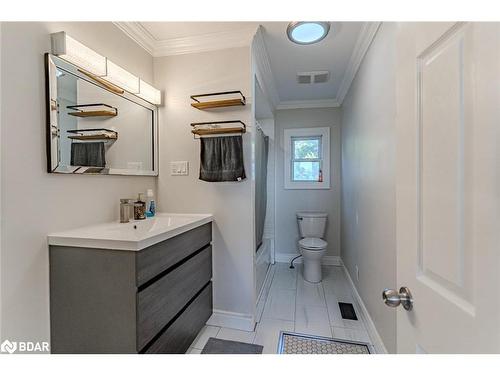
(347, 311)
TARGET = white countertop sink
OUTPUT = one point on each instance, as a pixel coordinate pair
(133, 236)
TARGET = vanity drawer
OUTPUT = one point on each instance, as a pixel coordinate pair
(161, 301)
(181, 333)
(157, 258)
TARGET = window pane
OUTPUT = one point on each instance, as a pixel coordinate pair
(306, 148)
(306, 170)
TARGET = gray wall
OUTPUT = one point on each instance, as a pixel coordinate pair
(35, 203)
(288, 202)
(230, 202)
(368, 180)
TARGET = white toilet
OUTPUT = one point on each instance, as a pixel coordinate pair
(312, 228)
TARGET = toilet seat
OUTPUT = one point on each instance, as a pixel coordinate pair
(313, 243)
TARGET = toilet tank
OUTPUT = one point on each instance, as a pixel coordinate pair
(312, 224)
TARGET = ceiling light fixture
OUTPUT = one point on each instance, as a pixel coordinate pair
(77, 54)
(307, 32)
(122, 78)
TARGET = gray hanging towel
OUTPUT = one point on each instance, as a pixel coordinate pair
(222, 159)
(88, 154)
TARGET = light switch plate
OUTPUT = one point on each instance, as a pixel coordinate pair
(179, 168)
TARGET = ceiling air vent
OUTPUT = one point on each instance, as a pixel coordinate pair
(313, 77)
(304, 78)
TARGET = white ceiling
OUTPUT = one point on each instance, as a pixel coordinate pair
(287, 59)
(171, 30)
(339, 53)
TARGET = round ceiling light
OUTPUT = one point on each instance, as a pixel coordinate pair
(307, 32)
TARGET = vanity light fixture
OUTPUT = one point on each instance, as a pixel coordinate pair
(309, 32)
(104, 70)
(120, 77)
(149, 93)
(78, 54)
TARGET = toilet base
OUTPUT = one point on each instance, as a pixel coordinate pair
(312, 271)
(312, 264)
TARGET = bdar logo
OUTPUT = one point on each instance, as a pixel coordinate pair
(9, 347)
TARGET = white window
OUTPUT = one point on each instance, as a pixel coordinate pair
(307, 158)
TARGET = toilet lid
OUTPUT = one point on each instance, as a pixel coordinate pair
(313, 243)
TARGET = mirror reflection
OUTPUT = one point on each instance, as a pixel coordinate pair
(94, 130)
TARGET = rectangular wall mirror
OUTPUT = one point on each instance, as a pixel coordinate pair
(95, 128)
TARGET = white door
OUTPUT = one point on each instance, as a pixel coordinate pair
(448, 187)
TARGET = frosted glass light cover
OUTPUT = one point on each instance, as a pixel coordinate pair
(149, 93)
(120, 77)
(307, 32)
(78, 54)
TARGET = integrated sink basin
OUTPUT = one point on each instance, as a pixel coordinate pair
(134, 236)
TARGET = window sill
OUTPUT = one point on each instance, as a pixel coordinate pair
(306, 186)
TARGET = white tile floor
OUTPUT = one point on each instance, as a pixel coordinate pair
(295, 305)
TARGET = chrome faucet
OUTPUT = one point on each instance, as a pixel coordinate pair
(125, 208)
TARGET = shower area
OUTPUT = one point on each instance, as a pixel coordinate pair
(264, 188)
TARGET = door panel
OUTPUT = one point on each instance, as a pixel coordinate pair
(447, 186)
(444, 119)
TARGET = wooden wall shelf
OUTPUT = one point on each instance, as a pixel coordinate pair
(241, 101)
(93, 134)
(93, 110)
(214, 128)
(218, 131)
(83, 137)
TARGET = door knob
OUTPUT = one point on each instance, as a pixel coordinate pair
(393, 298)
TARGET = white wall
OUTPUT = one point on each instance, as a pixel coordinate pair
(230, 202)
(34, 202)
(368, 180)
(288, 202)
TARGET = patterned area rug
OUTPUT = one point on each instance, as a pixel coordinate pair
(293, 343)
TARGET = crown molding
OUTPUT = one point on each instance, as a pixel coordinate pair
(296, 104)
(244, 37)
(263, 69)
(191, 44)
(137, 32)
(361, 47)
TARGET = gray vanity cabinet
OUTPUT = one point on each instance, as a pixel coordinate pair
(155, 300)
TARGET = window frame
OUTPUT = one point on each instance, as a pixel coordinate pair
(290, 135)
(294, 160)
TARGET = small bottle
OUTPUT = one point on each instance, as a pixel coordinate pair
(150, 204)
(320, 177)
(139, 208)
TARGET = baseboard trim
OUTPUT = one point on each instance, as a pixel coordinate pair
(233, 320)
(331, 260)
(372, 330)
(328, 260)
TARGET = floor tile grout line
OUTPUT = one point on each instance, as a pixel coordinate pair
(327, 310)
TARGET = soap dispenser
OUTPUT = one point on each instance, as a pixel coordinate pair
(140, 208)
(150, 203)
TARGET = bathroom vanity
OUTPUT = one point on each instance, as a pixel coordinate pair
(140, 287)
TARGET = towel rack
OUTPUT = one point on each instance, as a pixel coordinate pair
(214, 128)
(218, 103)
(95, 134)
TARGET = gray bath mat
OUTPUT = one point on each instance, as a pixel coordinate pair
(293, 343)
(219, 346)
